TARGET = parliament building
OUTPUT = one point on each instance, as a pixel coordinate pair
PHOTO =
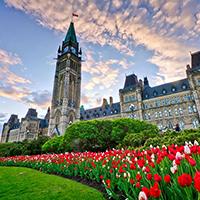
(165, 105)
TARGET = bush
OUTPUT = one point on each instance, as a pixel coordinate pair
(5, 145)
(100, 135)
(53, 145)
(24, 148)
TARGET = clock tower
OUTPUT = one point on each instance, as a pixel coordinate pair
(65, 105)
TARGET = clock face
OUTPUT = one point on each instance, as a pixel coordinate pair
(73, 50)
(66, 49)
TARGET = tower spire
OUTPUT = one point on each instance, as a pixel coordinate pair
(71, 35)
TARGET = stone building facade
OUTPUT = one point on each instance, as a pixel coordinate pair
(166, 105)
(29, 128)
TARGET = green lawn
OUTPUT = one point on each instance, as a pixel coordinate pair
(23, 183)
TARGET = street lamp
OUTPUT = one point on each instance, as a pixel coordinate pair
(70, 122)
(132, 107)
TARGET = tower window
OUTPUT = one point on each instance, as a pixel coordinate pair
(170, 112)
(194, 108)
(180, 111)
(189, 109)
(176, 111)
(195, 123)
(160, 113)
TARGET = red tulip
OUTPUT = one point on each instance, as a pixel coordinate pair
(155, 192)
(149, 177)
(167, 179)
(138, 177)
(101, 177)
(132, 181)
(192, 162)
(197, 184)
(137, 184)
(185, 180)
(146, 191)
(157, 178)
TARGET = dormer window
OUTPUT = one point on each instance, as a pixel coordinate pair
(104, 113)
(115, 111)
(111, 112)
(155, 93)
(164, 91)
(184, 87)
(173, 89)
(146, 95)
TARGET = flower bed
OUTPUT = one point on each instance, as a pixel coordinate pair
(172, 172)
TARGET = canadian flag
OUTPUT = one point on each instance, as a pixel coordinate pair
(74, 15)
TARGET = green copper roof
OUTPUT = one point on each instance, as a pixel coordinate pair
(71, 34)
(82, 108)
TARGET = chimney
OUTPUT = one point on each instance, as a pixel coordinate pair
(146, 82)
(104, 103)
(111, 101)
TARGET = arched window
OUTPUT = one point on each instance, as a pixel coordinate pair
(181, 125)
(57, 118)
(160, 113)
(180, 111)
(170, 112)
(156, 114)
(196, 123)
(166, 114)
(189, 109)
(194, 108)
(149, 115)
(176, 111)
(160, 127)
(170, 125)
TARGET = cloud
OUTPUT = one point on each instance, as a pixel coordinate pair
(91, 100)
(2, 115)
(9, 59)
(41, 99)
(122, 24)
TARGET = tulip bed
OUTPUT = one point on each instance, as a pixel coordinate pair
(167, 173)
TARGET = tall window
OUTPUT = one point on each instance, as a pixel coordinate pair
(175, 100)
(160, 113)
(163, 102)
(199, 81)
(180, 111)
(166, 114)
(149, 115)
(172, 100)
(179, 99)
(186, 97)
(58, 118)
(133, 98)
(156, 114)
(196, 123)
(130, 99)
(181, 125)
(170, 112)
(194, 108)
(176, 111)
(145, 116)
(170, 125)
(160, 127)
(168, 101)
(158, 103)
(192, 97)
(146, 106)
(189, 109)
(126, 99)
(153, 104)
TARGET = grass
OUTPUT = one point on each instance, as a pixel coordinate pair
(24, 183)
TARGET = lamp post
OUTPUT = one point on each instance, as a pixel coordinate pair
(132, 107)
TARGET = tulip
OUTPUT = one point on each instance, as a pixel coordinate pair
(137, 184)
(155, 192)
(179, 156)
(167, 179)
(185, 180)
(142, 196)
(149, 177)
(196, 143)
(157, 178)
(173, 169)
(138, 177)
(146, 191)
(187, 150)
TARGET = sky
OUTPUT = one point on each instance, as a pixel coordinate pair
(150, 38)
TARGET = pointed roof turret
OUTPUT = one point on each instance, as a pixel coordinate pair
(71, 35)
